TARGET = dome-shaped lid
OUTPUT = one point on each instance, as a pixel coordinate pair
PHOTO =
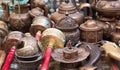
(35, 12)
(90, 25)
(67, 7)
(109, 5)
(67, 23)
(17, 35)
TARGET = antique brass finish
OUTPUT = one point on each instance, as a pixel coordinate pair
(52, 34)
(91, 31)
(40, 23)
(112, 50)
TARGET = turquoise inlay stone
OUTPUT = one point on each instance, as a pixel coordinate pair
(119, 45)
(1, 11)
(64, 41)
(11, 7)
(21, 2)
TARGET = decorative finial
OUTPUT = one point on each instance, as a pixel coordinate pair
(66, 13)
(69, 44)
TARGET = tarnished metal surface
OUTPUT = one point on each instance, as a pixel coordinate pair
(107, 7)
(72, 10)
(11, 40)
(20, 20)
(91, 31)
(28, 47)
(35, 12)
(40, 23)
(70, 28)
(70, 57)
(95, 53)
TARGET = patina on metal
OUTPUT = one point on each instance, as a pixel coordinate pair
(91, 32)
(28, 46)
(29, 53)
(11, 40)
(107, 7)
(40, 4)
(20, 20)
(40, 23)
(70, 29)
(36, 12)
(72, 11)
(116, 35)
(70, 57)
(95, 53)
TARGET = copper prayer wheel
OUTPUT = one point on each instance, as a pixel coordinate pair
(29, 53)
(3, 29)
(40, 23)
(91, 32)
(11, 40)
(27, 46)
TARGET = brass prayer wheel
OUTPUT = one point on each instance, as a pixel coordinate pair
(29, 53)
(52, 34)
(40, 23)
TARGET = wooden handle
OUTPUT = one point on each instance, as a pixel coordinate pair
(9, 59)
(2, 58)
(38, 35)
(115, 66)
(47, 58)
